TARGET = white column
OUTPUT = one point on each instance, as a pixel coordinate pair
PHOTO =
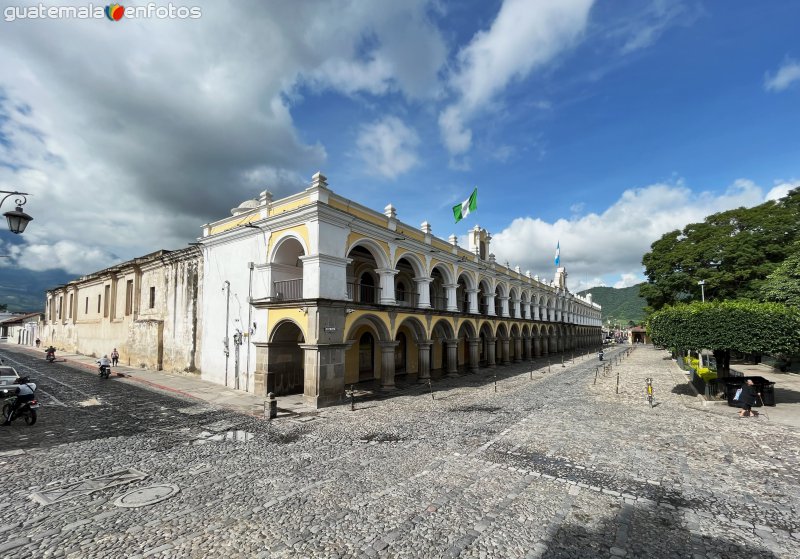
(517, 308)
(473, 300)
(490, 304)
(387, 286)
(423, 292)
(504, 306)
(450, 289)
(526, 309)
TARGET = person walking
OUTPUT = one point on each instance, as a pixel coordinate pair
(114, 357)
(38, 342)
(748, 399)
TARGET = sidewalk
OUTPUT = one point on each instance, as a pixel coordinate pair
(186, 385)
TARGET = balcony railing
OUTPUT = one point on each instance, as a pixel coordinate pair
(406, 299)
(359, 293)
(439, 303)
(288, 290)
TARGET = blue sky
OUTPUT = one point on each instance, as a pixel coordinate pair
(599, 124)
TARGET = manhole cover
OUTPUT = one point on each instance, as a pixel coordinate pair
(147, 495)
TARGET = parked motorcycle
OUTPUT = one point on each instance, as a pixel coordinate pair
(26, 412)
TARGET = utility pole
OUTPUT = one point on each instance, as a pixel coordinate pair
(227, 288)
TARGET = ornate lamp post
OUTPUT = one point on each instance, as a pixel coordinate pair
(17, 219)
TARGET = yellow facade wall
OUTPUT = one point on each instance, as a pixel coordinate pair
(366, 216)
(276, 209)
(300, 230)
(274, 316)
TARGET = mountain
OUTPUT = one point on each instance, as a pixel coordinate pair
(23, 290)
(619, 305)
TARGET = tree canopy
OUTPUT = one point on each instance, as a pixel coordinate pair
(733, 252)
(745, 326)
(783, 285)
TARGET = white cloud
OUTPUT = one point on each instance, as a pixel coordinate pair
(628, 280)
(611, 244)
(73, 257)
(388, 147)
(786, 75)
(131, 135)
(523, 37)
(782, 189)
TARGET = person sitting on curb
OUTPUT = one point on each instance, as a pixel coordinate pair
(748, 399)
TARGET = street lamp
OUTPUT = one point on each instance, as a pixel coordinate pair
(702, 284)
(17, 219)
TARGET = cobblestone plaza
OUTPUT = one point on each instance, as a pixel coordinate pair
(548, 465)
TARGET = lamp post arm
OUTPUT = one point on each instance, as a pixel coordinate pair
(21, 201)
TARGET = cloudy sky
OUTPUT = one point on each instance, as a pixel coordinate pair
(597, 124)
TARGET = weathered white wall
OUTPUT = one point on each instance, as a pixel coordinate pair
(159, 337)
(227, 260)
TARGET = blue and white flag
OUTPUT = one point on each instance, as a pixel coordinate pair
(558, 253)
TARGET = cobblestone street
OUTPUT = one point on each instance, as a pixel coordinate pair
(551, 464)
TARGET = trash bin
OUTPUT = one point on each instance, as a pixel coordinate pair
(760, 384)
(768, 393)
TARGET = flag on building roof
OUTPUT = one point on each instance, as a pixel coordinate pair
(462, 210)
(558, 253)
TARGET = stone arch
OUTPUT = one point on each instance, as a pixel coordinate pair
(285, 371)
(445, 270)
(526, 331)
(415, 325)
(376, 250)
(371, 320)
(416, 264)
(469, 279)
(285, 247)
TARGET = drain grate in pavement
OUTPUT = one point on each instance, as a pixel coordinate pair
(147, 495)
(75, 489)
(237, 436)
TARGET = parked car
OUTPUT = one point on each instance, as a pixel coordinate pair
(8, 377)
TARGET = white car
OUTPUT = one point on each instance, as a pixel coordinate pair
(8, 378)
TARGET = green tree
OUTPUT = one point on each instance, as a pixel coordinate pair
(783, 285)
(732, 251)
(745, 326)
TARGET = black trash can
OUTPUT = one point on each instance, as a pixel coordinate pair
(760, 384)
(768, 393)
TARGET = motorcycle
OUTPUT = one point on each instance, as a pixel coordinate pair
(600, 355)
(104, 370)
(50, 356)
(26, 412)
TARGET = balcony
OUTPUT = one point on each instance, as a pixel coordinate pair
(406, 299)
(439, 303)
(288, 290)
(359, 293)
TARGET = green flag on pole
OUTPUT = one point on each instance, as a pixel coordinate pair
(462, 210)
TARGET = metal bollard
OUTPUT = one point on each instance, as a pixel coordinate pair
(430, 386)
(562, 360)
(352, 395)
(495, 382)
(271, 406)
(617, 391)
(596, 369)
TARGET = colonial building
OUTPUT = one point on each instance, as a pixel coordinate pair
(146, 308)
(315, 292)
